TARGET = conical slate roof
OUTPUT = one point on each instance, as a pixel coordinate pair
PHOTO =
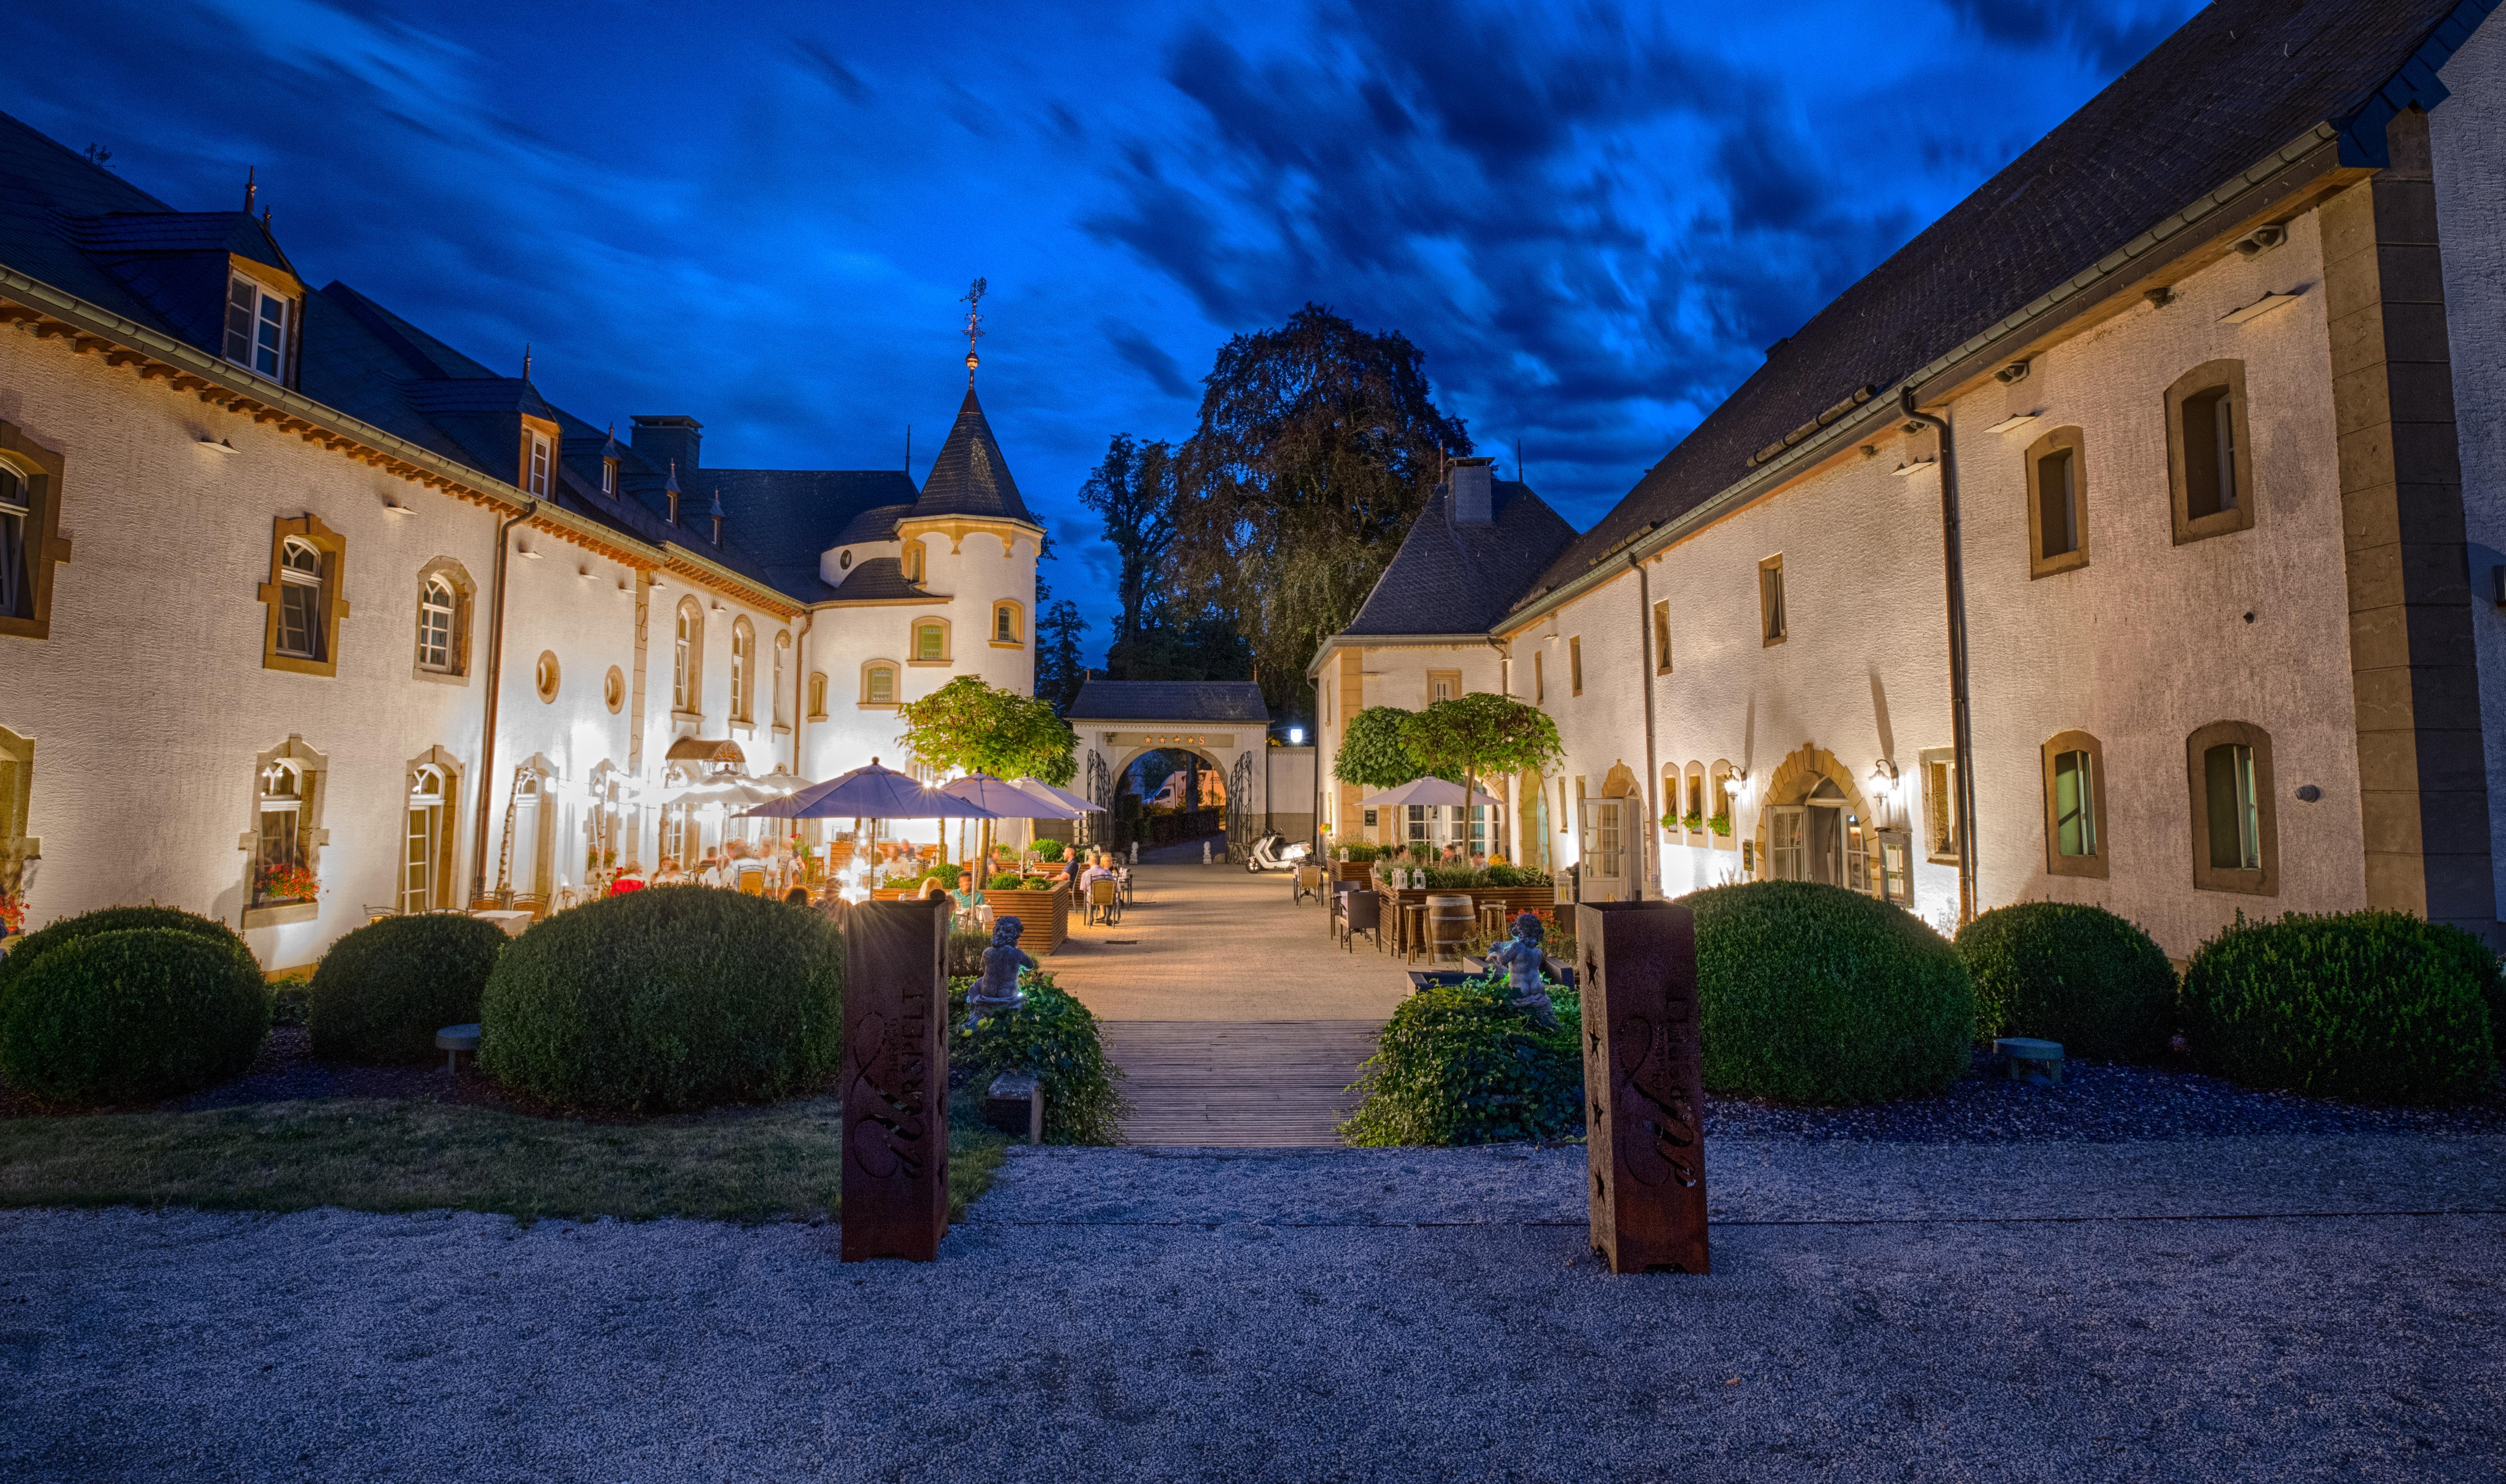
(970, 478)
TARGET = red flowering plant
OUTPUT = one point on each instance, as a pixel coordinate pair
(13, 912)
(281, 881)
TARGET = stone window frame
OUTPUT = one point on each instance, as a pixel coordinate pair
(1723, 797)
(333, 547)
(447, 828)
(315, 770)
(743, 672)
(1661, 635)
(895, 673)
(1454, 676)
(914, 642)
(2230, 374)
(1773, 621)
(1939, 800)
(39, 471)
(912, 560)
(2093, 864)
(2206, 877)
(17, 810)
(465, 592)
(1539, 677)
(1575, 665)
(2056, 441)
(774, 680)
(1017, 612)
(817, 711)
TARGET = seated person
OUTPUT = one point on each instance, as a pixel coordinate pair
(929, 888)
(668, 874)
(1479, 862)
(797, 896)
(1099, 868)
(969, 895)
(628, 879)
(708, 871)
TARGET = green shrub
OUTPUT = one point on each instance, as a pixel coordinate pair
(132, 1016)
(88, 924)
(966, 947)
(287, 1000)
(1007, 880)
(1048, 850)
(1360, 849)
(382, 992)
(1053, 1036)
(948, 872)
(1516, 876)
(1813, 994)
(2070, 973)
(2379, 1006)
(1034, 883)
(666, 998)
(1458, 1064)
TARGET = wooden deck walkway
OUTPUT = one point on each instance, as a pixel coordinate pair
(1238, 1084)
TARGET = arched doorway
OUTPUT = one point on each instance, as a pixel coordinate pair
(1818, 826)
(1173, 795)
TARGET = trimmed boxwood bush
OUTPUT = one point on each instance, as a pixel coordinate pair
(2379, 1006)
(88, 924)
(1054, 1036)
(1813, 994)
(2070, 973)
(667, 998)
(382, 992)
(1048, 850)
(1459, 1065)
(132, 1016)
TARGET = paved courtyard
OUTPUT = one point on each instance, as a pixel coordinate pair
(2249, 1308)
(1235, 1018)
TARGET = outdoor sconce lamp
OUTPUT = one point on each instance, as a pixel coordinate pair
(1296, 736)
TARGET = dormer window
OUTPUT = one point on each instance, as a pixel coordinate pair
(609, 477)
(536, 475)
(256, 327)
(913, 561)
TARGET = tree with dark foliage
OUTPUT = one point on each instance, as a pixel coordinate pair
(1057, 630)
(1132, 492)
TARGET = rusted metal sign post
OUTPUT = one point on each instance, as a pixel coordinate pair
(896, 1080)
(1645, 1095)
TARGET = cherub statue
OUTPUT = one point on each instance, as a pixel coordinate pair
(997, 991)
(1520, 956)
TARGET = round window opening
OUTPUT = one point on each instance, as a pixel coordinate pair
(614, 689)
(844, 561)
(547, 674)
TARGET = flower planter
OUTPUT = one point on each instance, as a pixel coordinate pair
(1358, 871)
(1044, 916)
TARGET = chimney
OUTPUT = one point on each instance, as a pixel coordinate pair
(672, 438)
(1469, 501)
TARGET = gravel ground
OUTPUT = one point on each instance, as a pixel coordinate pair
(2277, 1307)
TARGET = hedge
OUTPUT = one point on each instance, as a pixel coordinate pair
(668, 999)
(1054, 1036)
(130, 1016)
(1813, 994)
(1459, 1065)
(2070, 973)
(382, 992)
(2379, 1006)
(88, 924)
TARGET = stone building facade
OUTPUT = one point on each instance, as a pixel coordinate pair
(305, 612)
(2217, 366)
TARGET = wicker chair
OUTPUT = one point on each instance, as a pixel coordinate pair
(1309, 883)
(1104, 901)
(1365, 914)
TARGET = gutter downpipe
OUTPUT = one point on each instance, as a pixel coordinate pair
(1505, 687)
(800, 688)
(495, 676)
(1653, 765)
(1961, 718)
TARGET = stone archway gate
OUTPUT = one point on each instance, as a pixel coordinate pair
(1225, 721)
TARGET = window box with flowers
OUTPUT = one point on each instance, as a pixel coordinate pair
(1720, 824)
(12, 913)
(281, 883)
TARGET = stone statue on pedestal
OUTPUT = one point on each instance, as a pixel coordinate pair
(997, 992)
(1520, 956)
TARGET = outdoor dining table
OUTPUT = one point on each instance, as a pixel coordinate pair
(512, 919)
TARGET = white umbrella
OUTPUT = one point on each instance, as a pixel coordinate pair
(1432, 792)
(1043, 791)
(1008, 801)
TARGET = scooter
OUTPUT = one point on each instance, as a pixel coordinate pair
(1272, 852)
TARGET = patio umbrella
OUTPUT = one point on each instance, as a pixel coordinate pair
(1434, 792)
(1043, 791)
(873, 792)
(1008, 801)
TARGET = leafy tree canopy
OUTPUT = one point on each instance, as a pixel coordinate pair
(1478, 735)
(1373, 751)
(966, 724)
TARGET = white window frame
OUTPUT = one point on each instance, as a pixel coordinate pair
(300, 585)
(260, 344)
(438, 608)
(539, 469)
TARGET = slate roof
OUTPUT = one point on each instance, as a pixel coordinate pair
(1220, 701)
(970, 478)
(1461, 579)
(880, 577)
(86, 231)
(2236, 83)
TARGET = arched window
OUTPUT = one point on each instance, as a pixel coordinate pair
(2075, 805)
(300, 600)
(743, 671)
(774, 703)
(913, 560)
(30, 542)
(685, 651)
(1009, 624)
(17, 518)
(2210, 451)
(2235, 829)
(423, 853)
(930, 641)
(2058, 503)
(879, 683)
(437, 607)
(817, 696)
(281, 874)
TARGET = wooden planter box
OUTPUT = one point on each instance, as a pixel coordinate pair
(1359, 871)
(1044, 916)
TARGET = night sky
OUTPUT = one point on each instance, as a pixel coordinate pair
(1592, 218)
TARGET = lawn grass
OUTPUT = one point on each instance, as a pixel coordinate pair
(764, 1164)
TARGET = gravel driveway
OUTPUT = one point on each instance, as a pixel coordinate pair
(2262, 1308)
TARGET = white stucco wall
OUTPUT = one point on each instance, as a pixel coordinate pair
(2468, 137)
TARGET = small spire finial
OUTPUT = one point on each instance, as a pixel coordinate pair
(973, 302)
(249, 172)
(526, 364)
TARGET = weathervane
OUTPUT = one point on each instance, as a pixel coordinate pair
(973, 302)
